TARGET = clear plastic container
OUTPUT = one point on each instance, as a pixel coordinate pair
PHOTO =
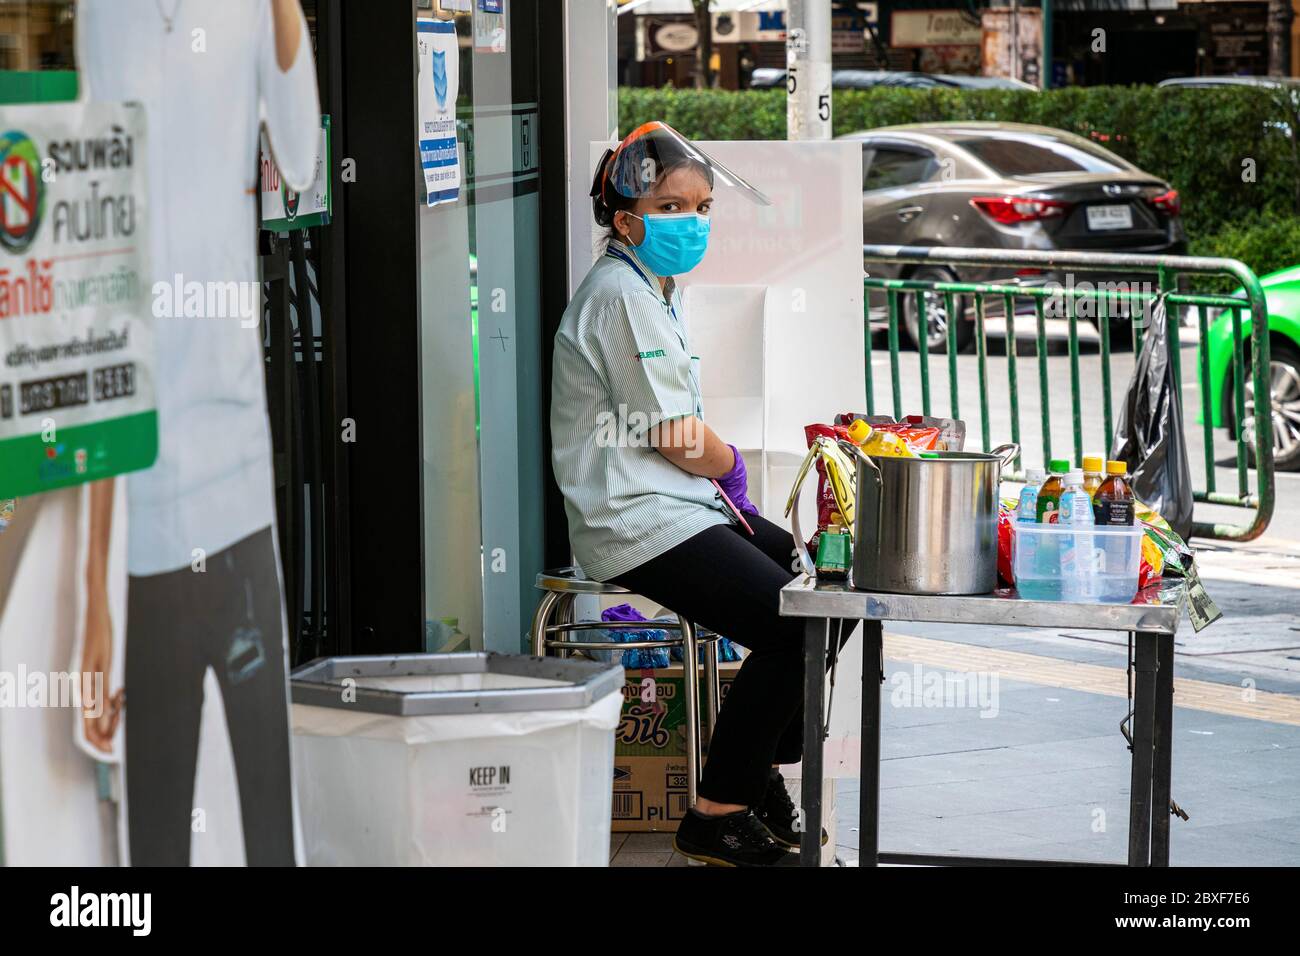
(1053, 562)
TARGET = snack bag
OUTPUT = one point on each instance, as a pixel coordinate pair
(1146, 573)
(1152, 563)
(1149, 516)
(921, 438)
(921, 433)
(837, 481)
(887, 445)
(874, 441)
(1153, 560)
(1179, 559)
(1006, 536)
(952, 431)
(825, 496)
(842, 476)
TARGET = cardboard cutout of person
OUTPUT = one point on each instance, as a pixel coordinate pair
(204, 592)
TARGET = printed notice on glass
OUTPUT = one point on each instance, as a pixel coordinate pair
(439, 61)
(490, 26)
(76, 337)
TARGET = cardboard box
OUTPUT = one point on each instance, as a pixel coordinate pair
(650, 754)
(650, 747)
(649, 794)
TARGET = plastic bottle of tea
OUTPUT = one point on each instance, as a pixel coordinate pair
(1113, 502)
(1049, 495)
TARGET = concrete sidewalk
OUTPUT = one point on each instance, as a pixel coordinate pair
(1045, 773)
(1048, 774)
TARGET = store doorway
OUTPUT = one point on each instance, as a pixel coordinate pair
(421, 331)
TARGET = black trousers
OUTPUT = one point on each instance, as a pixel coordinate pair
(730, 582)
(178, 625)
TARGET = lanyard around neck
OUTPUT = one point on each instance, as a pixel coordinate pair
(620, 254)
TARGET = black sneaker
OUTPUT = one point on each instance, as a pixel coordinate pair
(731, 839)
(777, 812)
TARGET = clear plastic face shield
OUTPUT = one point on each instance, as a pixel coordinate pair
(637, 167)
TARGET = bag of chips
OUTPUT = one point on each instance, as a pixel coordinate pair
(826, 504)
(1175, 556)
(1006, 541)
(922, 434)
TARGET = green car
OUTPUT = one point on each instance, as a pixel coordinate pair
(1282, 293)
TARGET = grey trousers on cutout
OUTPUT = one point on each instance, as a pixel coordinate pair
(178, 625)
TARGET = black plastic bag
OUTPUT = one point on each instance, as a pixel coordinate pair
(1149, 434)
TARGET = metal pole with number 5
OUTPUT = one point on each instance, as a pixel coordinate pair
(808, 69)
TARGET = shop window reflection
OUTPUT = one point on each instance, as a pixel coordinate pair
(37, 51)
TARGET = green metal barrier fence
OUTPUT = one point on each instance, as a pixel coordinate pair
(1172, 276)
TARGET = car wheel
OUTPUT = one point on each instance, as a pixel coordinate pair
(936, 313)
(1284, 398)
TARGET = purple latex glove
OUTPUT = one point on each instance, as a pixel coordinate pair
(736, 484)
(621, 612)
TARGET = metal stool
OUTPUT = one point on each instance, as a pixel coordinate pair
(554, 620)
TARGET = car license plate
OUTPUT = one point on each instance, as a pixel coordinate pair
(1110, 217)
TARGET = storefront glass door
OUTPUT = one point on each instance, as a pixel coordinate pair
(481, 401)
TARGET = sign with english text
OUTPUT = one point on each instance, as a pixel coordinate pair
(76, 336)
(924, 28)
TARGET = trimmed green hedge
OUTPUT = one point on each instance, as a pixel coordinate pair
(1265, 245)
(1196, 139)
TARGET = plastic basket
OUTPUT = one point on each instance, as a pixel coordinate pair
(1088, 565)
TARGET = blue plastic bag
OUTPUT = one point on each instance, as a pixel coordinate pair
(635, 658)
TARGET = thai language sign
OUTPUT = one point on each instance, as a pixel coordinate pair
(282, 208)
(76, 346)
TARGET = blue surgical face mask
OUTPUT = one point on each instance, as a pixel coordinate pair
(674, 243)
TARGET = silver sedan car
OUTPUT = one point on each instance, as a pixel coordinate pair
(1003, 186)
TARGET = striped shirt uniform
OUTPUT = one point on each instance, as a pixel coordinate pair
(622, 367)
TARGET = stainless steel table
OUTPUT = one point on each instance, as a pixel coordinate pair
(1152, 618)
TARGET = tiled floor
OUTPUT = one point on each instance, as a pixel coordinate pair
(643, 849)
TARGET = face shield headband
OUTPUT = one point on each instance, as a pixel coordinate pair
(637, 165)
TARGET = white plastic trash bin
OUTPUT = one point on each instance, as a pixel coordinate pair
(475, 759)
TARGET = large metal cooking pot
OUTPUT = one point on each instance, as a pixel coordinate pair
(928, 525)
